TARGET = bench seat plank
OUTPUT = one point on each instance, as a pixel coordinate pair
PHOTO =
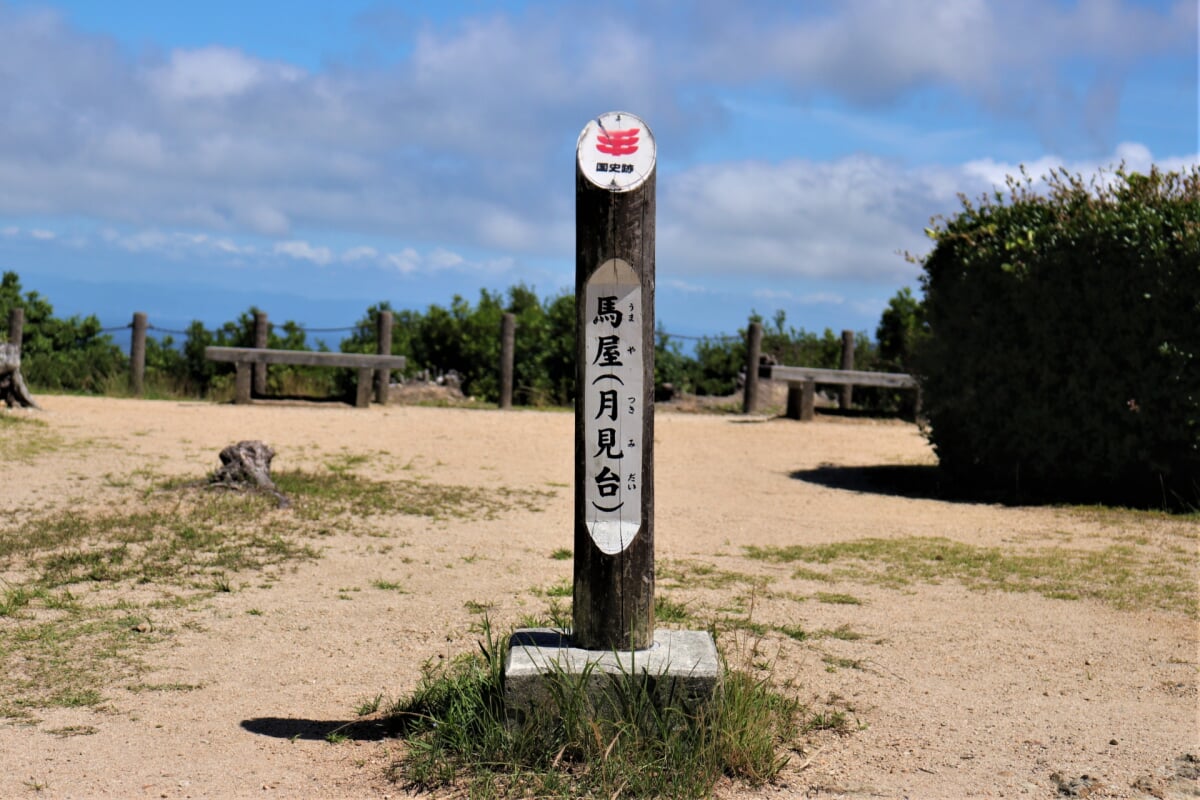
(303, 358)
(840, 377)
(244, 357)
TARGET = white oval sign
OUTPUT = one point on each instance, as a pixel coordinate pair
(616, 151)
(613, 408)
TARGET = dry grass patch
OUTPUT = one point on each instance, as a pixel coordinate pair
(83, 588)
(1122, 575)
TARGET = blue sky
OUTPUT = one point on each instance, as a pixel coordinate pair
(190, 159)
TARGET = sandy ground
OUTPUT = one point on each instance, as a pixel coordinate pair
(953, 692)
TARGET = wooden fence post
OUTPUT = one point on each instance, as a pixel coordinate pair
(753, 353)
(508, 341)
(261, 337)
(383, 347)
(137, 355)
(614, 415)
(847, 394)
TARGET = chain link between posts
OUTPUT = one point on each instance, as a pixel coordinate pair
(720, 337)
(348, 329)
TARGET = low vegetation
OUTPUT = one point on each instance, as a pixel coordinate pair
(24, 438)
(1122, 574)
(623, 742)
(82, 591)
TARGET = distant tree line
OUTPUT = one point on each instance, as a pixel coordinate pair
(77, 355)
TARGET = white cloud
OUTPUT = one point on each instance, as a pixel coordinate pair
(844, 219)
(233, 248)
(772, 294)
(10, 230)
(444, 259)
(142, 241)
(360, 253)
(686, 287)
(173, 244)
(43, 234)
(303, 251)
(263, 219)
(214, 73)
(821, 299)
(405, 262)
(1134, 156)
(848, 219)
(135, 148)
(1006, 52)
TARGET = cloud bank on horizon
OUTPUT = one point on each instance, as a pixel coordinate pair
(802, 145)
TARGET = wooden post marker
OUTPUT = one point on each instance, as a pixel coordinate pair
(614, 414)
(383, 347)
(261, 338)
(847, 395)
(137, 355)
(508, 346)
(753, 354)
(613, 638)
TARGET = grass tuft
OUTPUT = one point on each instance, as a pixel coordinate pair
(369, 706)
(25, 438)
(669, 610)
(838, 599)
(623, 743)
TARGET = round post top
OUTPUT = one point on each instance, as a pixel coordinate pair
(616, 151)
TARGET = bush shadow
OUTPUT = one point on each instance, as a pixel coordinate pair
(930, 482)
(914, 481)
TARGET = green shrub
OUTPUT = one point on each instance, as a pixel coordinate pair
(625, 740)
(466, 339)
(1063, 356)
(57, 354)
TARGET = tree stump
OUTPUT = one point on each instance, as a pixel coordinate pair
(246, 466)
(12, 387)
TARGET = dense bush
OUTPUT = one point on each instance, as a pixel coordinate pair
(466, 339)
(901, 327)
(188, 372)
(60, 354)
(718, 360)
(1063, 356)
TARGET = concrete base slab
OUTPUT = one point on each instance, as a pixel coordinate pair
(681, 669)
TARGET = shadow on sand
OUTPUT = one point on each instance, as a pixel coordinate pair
(919, 481)
(361, 730)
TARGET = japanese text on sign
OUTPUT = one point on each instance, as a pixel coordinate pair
(613, 400)
(616, 152)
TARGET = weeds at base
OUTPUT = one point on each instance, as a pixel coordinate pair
(624, 742)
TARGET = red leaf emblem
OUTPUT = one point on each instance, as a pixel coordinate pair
(618, 143)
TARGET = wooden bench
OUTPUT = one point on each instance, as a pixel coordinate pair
(245, 357)
(802, 384)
